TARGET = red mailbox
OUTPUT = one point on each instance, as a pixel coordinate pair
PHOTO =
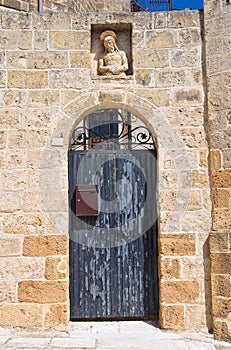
(87, 200)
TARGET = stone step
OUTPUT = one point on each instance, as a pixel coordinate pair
(68, 343)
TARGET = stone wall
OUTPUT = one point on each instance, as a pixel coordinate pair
(49, 5)
(67, 5)
(113, 6)
(47, 86)
(19, 5)
(218, 63)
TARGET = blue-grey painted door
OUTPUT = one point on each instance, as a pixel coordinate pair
(114, 255)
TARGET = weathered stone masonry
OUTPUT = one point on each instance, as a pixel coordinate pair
(65, 5)
(47, 86)
(48, 6)
(218, 63)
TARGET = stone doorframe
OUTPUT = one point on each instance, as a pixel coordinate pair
(178, 294)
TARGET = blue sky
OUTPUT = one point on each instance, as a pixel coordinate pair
(177, 4)
(182, 4)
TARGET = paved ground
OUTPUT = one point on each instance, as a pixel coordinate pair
(134, 335)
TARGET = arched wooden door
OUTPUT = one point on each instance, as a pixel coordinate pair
(113, 226)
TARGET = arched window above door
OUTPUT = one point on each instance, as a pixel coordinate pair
(111, 128)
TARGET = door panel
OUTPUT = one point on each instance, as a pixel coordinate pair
(114, 256)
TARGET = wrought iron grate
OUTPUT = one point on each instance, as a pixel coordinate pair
(151, 5)
(111, 129)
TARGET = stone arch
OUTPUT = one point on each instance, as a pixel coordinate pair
(130, 226)
(79, 108)
(75, 111)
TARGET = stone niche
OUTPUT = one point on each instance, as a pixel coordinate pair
(123, 40)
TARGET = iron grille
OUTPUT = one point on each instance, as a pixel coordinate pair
(151, 5)
(111, 129)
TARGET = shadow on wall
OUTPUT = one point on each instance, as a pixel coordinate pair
(207, 282)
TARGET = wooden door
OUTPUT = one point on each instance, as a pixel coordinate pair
(114, 255)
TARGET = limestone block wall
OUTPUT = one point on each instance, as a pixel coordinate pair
(113, 6)
(18, 5)
(48, 5)
(47, 87)
(67, 5)
(218, 62)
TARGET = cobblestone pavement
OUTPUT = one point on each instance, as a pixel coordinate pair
(135, 335)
